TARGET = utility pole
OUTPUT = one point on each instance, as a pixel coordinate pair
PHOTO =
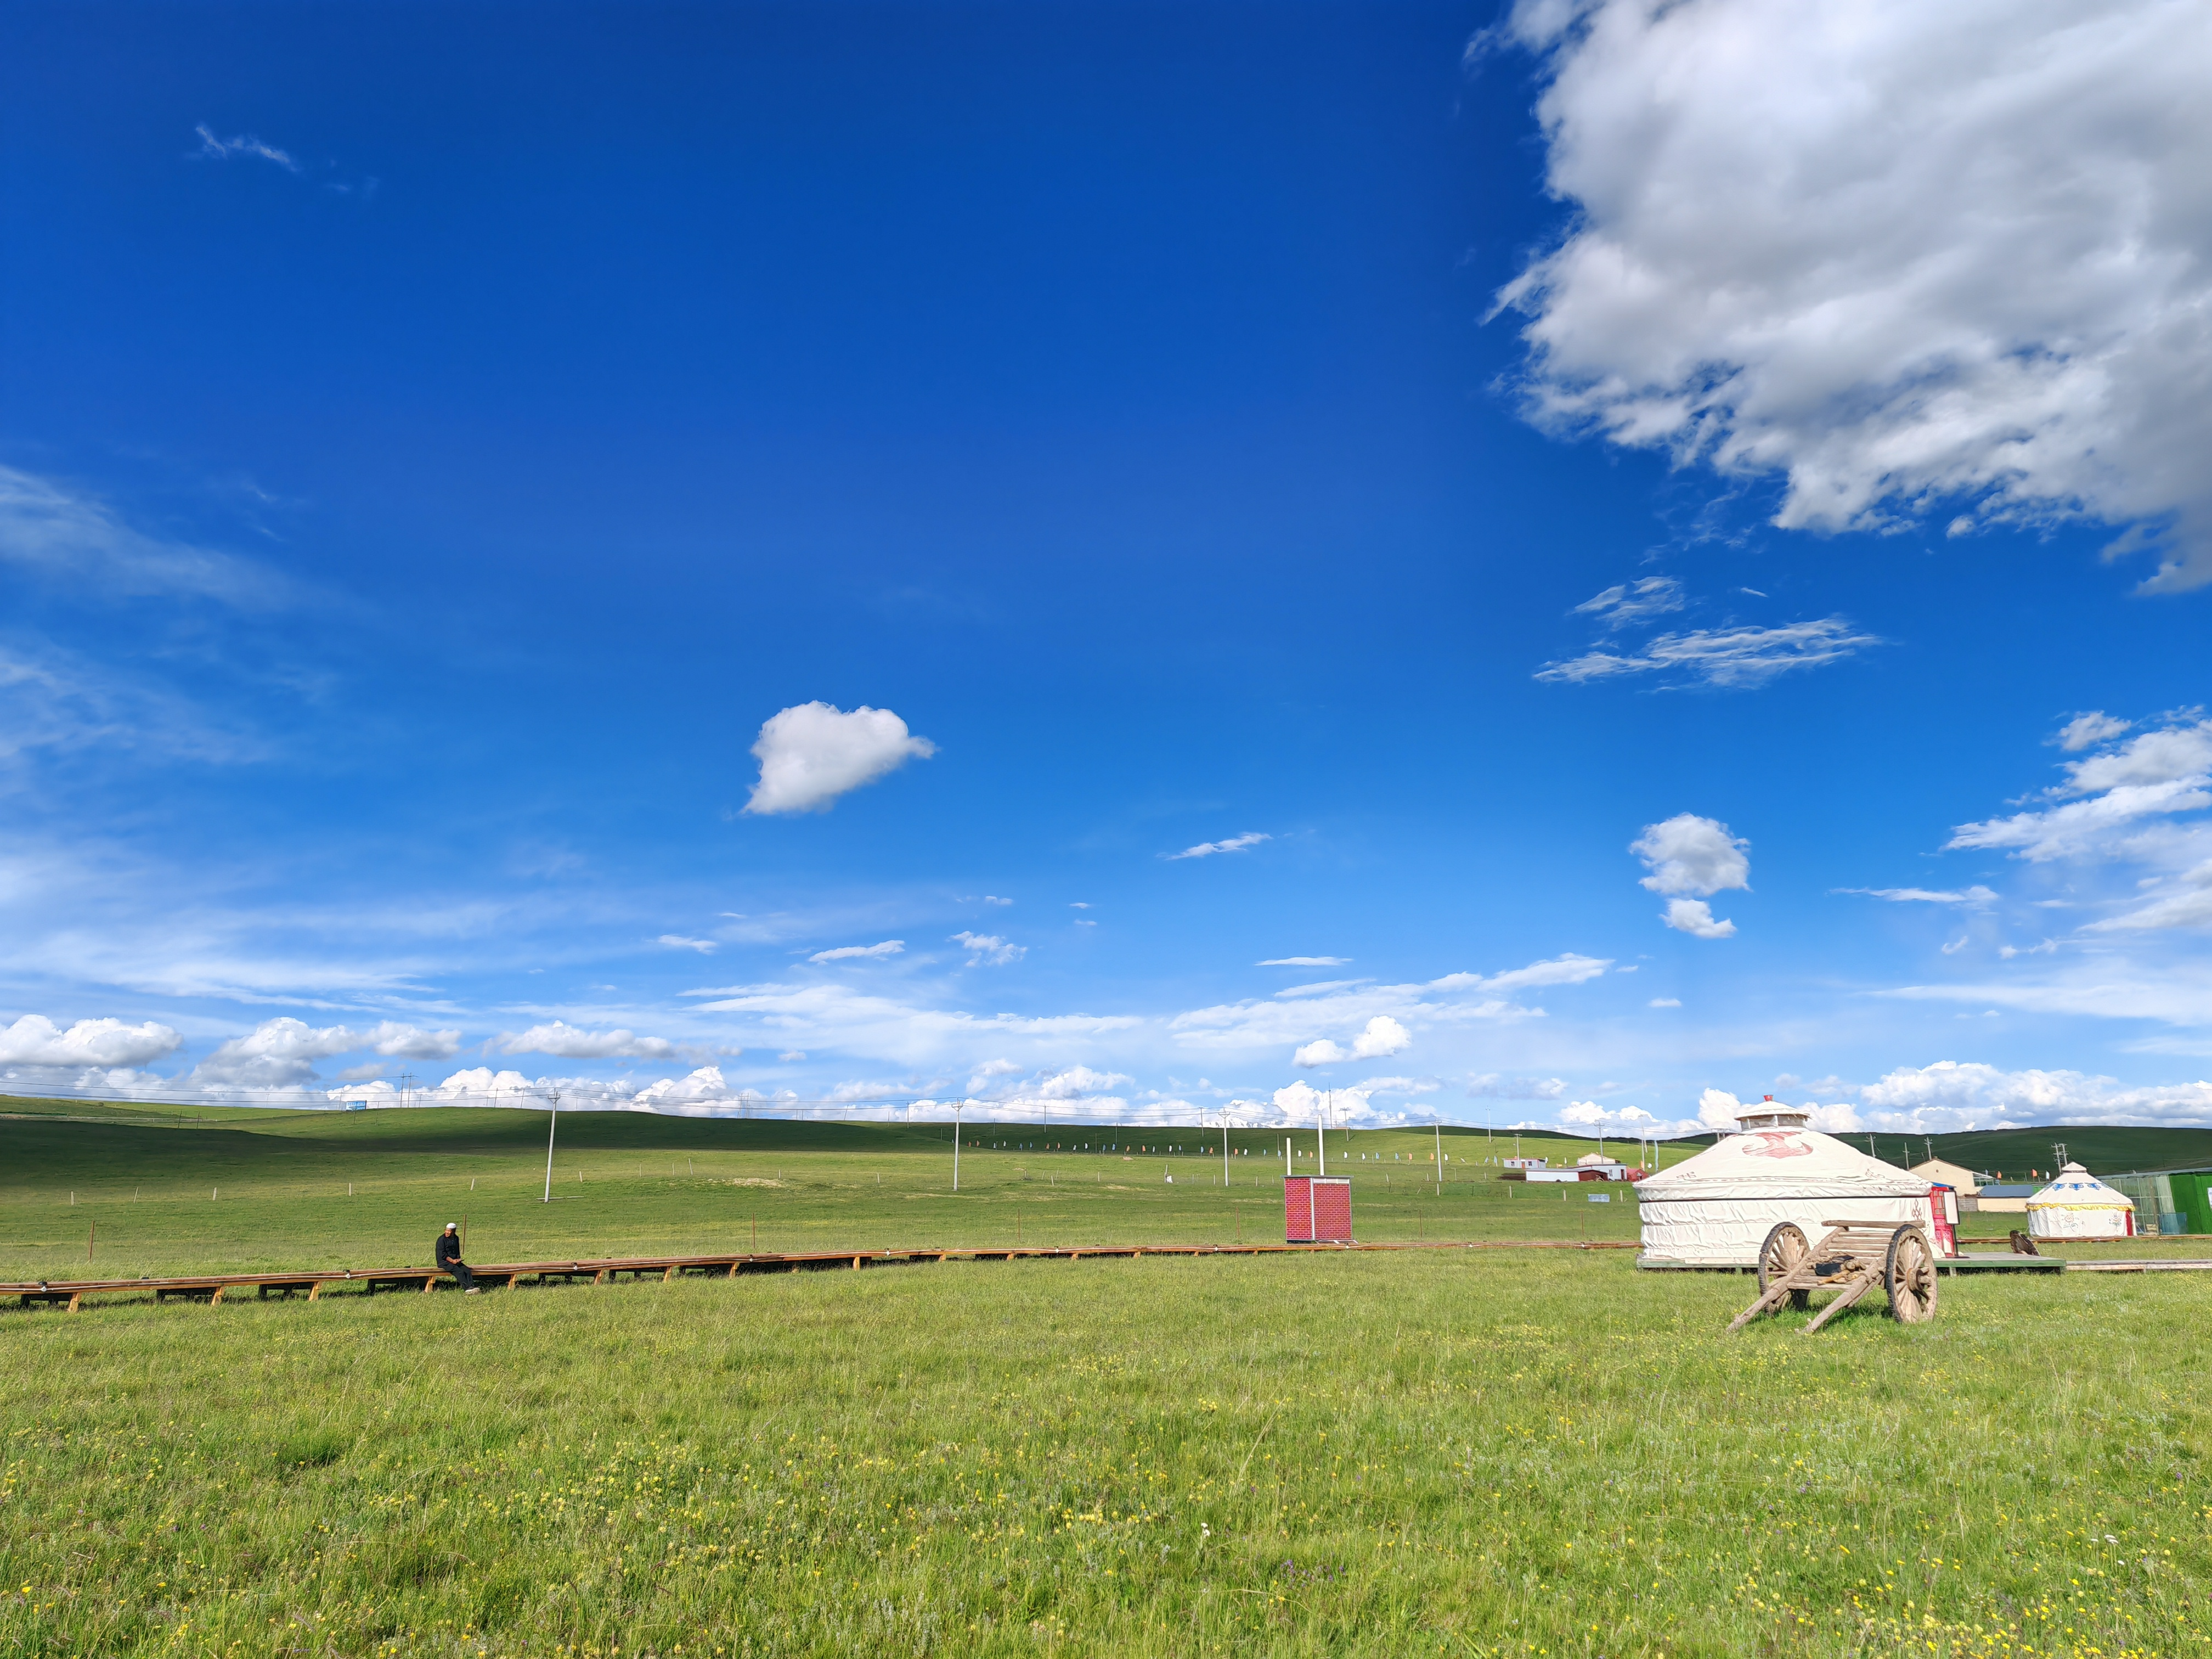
(552, 1118)
(956, 1145)
(1440, 1158)
(1321, 1136)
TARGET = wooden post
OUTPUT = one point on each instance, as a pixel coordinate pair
(90, 1239)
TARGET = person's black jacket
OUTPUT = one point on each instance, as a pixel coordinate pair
(449, 1249)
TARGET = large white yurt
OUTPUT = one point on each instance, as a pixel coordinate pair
(2076, 1205)
(1715, 1210)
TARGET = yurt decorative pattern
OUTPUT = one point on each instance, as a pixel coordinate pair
(1715, 1210)
(2076, 1205)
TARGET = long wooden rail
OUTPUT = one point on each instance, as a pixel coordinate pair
(606, 1270)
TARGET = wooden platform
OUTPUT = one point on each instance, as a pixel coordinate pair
(213, 1288)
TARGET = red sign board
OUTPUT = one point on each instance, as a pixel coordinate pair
(1316, 1210)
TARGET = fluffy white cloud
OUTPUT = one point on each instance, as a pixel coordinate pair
(1206, 850)
(35, 1040)
(399, 1042)
(1976, 897)
(2171, 755)
(1899, 254)
(705, 947)
(1665, 1002)
(1383, 1037)
(1731, 657)
(481, 1082)
(1952, 1095)
(814, 752)
(704, 1085)
(1689, 854)
(989, 948)
(566, 1042)
(889, 947)
(1303, 961)
(993, 898)
(1633, 602)
(278, 1054)
(989, 1072)
(1695, 918)
(2087, 731)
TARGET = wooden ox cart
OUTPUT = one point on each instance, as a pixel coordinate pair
(1852, 1258)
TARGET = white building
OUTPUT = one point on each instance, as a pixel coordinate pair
(2076, 1205)
(1715, 1210)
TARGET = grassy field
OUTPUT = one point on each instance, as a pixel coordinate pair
(1495, 1452)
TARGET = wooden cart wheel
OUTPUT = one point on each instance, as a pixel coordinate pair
(1911, 1275)
(1784, 1252)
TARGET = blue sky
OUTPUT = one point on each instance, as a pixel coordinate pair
(466, 470)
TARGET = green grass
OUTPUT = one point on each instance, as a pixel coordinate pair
(1535, 1453)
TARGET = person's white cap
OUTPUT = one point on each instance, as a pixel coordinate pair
(453, 1226)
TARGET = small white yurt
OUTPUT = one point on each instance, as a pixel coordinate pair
(1715, 1210)
(2076, 1205)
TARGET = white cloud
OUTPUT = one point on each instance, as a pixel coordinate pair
(1320, 987)
(222, 149)
(2087, 731)
(1303, 961)
(1689, 854)
(1695, 918)
(1206, 850)
(1490, 1086)
(1383, 1037)
(1632, 602)
(278, 1054)
(1665, 1002)
(993, 898)
(1686, 854)
(1400, 1085)
(2189, 907)
(1589, 1115)
(813, 752)
(1455, 998)
(79, 540)
(35, 1040)
(1909, 258)
(2172, 755)
(1568, 970)
(566, 1042)
(1952, 1095)
(408, 1042)
(2083, 827)
(705, 947)
(889, 947)
(1976, 897)
(281, 1053)
(707, 1085)
(1731, 657)
(481, 1081)
(989, 948)
(989, 1072)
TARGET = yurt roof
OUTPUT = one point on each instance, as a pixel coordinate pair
(1784, 1163)
(2074, 1189)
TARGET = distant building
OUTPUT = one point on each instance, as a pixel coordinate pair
(2006, 1197)
(1965, 1180)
